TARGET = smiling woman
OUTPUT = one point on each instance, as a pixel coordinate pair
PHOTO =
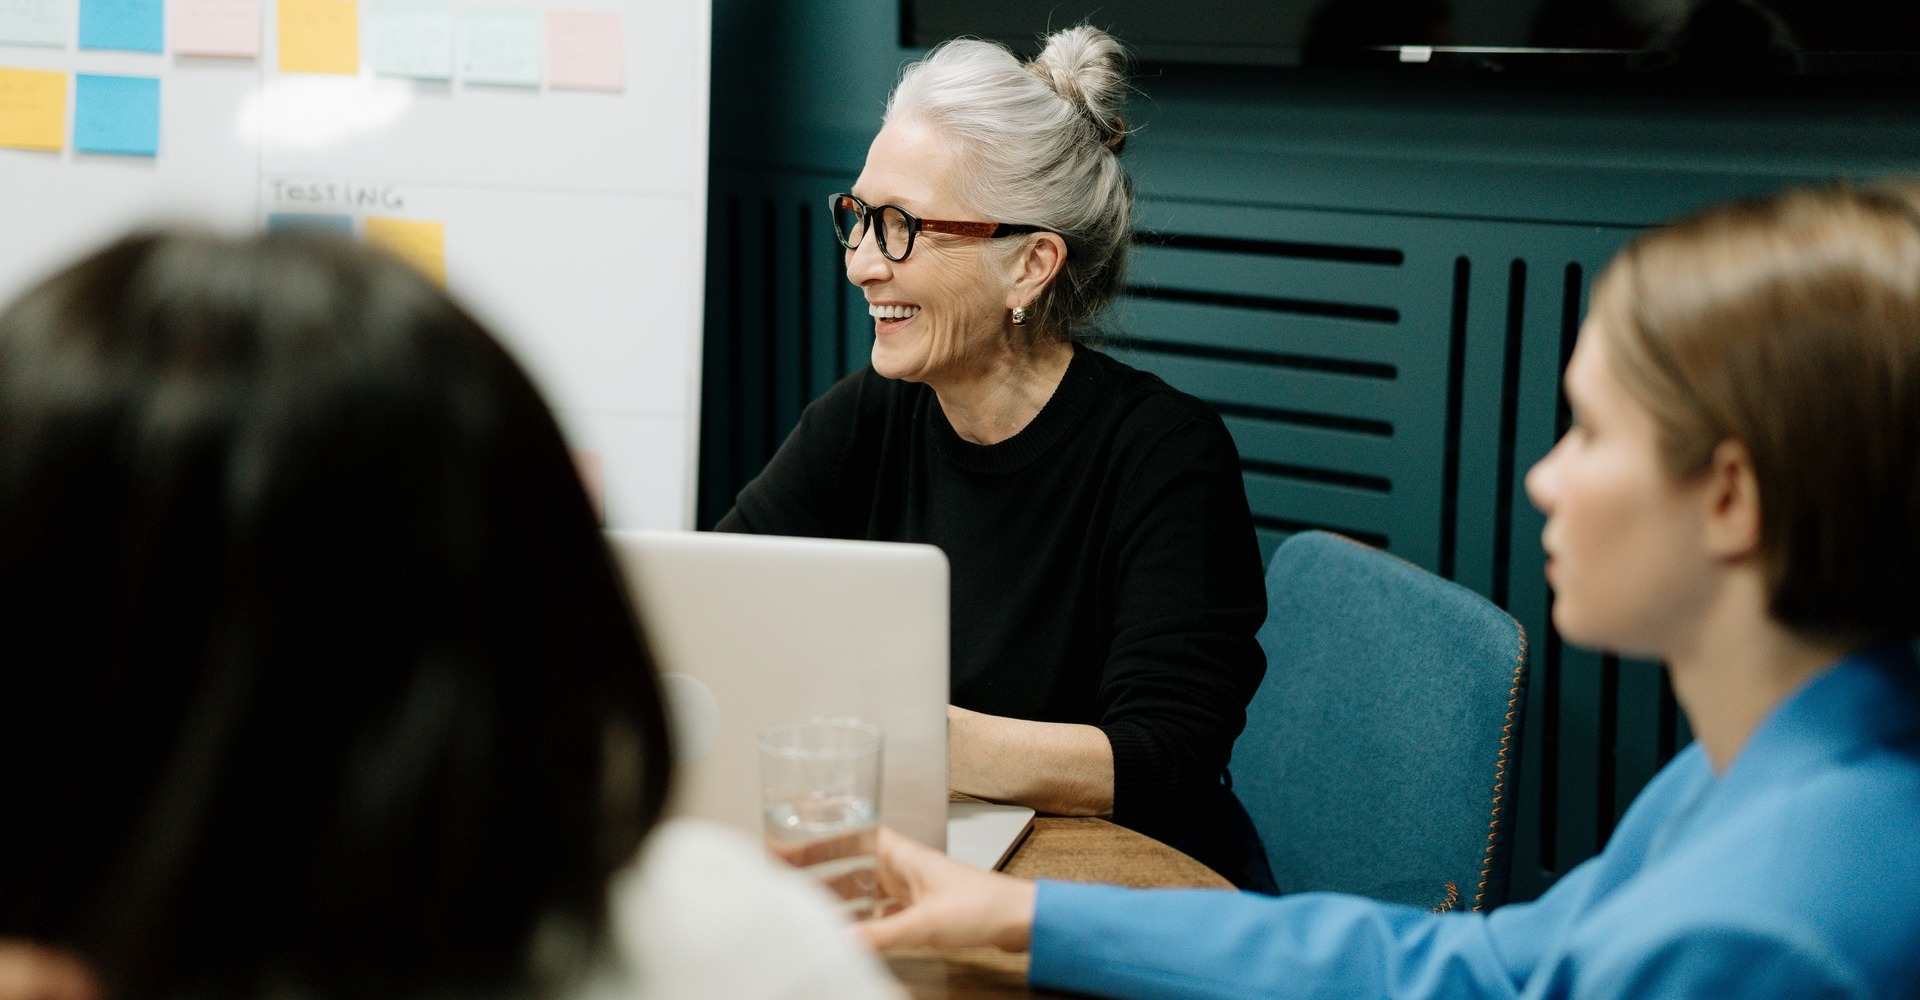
(1106, 579)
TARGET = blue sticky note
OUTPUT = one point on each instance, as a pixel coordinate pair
(341, 225)
(116, 114)
(131, 25)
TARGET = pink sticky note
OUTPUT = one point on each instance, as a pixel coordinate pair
(586, 50)
(216, 28)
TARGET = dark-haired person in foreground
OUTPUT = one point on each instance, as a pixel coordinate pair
(320, 681)
(1739, 496)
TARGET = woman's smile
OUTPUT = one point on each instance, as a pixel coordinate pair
(890, 317)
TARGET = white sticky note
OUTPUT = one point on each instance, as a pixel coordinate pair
(228, 28)
(500, 44)
(35, 22)
(411, 38)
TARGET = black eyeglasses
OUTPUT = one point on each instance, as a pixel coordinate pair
(852, 217)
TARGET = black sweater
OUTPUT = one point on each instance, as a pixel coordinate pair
(1105, 569)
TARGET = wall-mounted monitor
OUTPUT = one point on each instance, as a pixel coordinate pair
(1722, 37)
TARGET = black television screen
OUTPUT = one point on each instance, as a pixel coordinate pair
(1735, 36)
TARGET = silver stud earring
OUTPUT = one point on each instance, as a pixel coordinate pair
(1020, 315)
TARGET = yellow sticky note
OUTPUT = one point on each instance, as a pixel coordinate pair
(319, 36)
(33, 109)
(422, 244)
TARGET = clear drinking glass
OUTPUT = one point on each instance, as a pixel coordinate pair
(820, 795)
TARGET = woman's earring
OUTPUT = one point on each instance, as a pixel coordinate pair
(1020, 315)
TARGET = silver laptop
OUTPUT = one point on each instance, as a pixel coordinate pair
(753, 630)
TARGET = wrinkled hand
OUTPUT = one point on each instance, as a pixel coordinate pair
(31, 972)
(945, 904)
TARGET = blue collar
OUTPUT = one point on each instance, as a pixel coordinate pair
(1869, 699)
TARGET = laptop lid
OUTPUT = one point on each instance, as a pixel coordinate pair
(750, 630)
(985, 834)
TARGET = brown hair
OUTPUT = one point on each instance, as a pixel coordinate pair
(1791, 324)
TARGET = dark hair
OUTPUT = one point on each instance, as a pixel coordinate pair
(1791, 324)
(320, 679)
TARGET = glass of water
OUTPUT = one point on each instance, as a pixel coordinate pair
(820, 795)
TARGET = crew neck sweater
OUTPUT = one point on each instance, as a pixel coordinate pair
(1104, 564)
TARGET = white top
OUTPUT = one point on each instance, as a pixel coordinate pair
(705, 914)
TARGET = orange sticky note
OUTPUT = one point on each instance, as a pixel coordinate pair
(422, 244)
(33, 109)
(319, 36)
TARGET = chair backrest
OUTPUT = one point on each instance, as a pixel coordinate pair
(1381, 750)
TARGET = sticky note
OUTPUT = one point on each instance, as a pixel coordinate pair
(132, 25)
(586, 50)
(340, 225)
(34, 22)
(319, 36)
(116, 114)
(33, 109)
(216, 28)
(422, 244)
(500, 45)
(411, 38)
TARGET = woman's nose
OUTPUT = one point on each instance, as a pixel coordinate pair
(1540, 482)
(865, 262)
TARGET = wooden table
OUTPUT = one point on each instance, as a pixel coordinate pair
(1075, 850)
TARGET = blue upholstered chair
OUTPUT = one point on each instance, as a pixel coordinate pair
(1380, 751)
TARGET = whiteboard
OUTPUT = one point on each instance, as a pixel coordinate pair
(569, 205)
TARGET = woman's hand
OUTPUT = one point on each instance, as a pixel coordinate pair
(945, 904)
(31, 972)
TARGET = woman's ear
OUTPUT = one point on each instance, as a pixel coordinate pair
(1040, 260)
(1732, 494)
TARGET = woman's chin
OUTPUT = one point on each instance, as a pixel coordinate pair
(1571, 628)
(891, 365)
(1615, 638)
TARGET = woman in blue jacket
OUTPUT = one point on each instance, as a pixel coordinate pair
(1739, 497)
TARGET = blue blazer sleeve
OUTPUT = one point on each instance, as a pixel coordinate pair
(1201, 944)
(1204, 944)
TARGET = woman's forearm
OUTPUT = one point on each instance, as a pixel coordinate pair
(1054, 767)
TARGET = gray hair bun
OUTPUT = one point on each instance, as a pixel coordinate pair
(1088, 67)
(1036, 143)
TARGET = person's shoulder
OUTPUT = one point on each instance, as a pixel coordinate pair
(1823, 863)
(1849, 819)
(1143, 401)
(703, 912)
(698, 868)
(1864, 809)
